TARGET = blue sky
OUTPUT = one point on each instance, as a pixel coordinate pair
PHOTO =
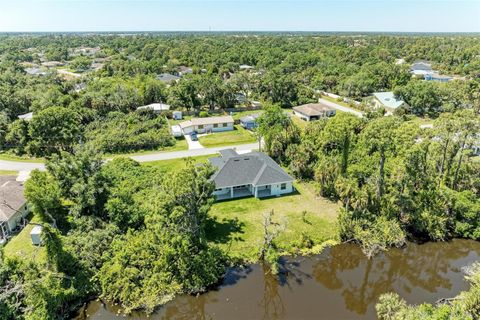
(248, 15)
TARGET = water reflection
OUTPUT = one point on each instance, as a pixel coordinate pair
(339, 284)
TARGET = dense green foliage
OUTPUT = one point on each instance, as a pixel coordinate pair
(129, 233)
(288, 70)
(395, 179)
(120, 132)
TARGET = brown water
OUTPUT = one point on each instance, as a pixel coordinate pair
(338, 284)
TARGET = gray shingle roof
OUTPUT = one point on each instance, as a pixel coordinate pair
(167, 77)
(11, 197)
(253, 168)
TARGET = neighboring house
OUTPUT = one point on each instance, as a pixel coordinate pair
(52, 64)
(13, 206)
(34, 71)
(205, 125)
(26, 116)
(388, 101)
(245, 67)
(156, 107)
(183, 70)
(167, 78)
(437, 77)
(250, 174)
(313, 111)
(86, 51)
(249, 122)
(176, 131)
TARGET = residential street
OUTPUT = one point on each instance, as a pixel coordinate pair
(29, 166)
(341, 108)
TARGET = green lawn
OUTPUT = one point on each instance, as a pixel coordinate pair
(21, 246)
(8, 173)
(236, 225)
(237, 136)
(176, 164)
(11, 157)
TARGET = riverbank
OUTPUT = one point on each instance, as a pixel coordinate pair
(340, 283)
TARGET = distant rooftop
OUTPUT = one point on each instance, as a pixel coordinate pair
(167, 77)
(155, 107)
(26, 116)
(313, 109)
(388, 99)
(205, 121)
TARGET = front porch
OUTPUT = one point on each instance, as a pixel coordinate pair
(243, 191)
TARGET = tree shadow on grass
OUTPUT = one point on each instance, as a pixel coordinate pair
(224, 230)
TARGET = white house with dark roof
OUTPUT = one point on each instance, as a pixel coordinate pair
(250, 174)
(13, 206)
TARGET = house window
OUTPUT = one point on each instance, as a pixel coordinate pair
(200, 127)
(215, 125)
(283, 186)
(220, 125)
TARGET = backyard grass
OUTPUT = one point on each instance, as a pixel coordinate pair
(236, 225)
(237, 136)
(342, 103)
(20, 246)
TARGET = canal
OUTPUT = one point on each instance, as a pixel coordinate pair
(340, 283)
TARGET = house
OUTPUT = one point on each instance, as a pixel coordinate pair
(313, 111)
(34, 71)
(13, 207)
(250, 174)
(240, 97)
(26, 116)
(245, 67)
(388, 101)
(52, 64)
(205, 125)
(167, 78)
(249, 122)
(156, 107)
(177, 115)
(437, 77)
(176, 131)
(183, 70)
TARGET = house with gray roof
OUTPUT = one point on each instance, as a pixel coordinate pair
(13, 206)
(249, 174)
(389, 101)
(167, 78)
(313, 111)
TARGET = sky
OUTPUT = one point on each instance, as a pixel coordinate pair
(240, 15)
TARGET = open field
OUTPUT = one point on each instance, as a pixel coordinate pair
(20, 245)
(236, 225)
(227, 138)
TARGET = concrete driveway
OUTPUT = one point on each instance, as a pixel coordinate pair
(193, 145)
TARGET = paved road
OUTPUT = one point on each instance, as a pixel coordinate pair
(341, 108)
(29, 166)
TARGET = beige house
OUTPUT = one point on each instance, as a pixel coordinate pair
(13, 207)
(206, 125)
(313, 111)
